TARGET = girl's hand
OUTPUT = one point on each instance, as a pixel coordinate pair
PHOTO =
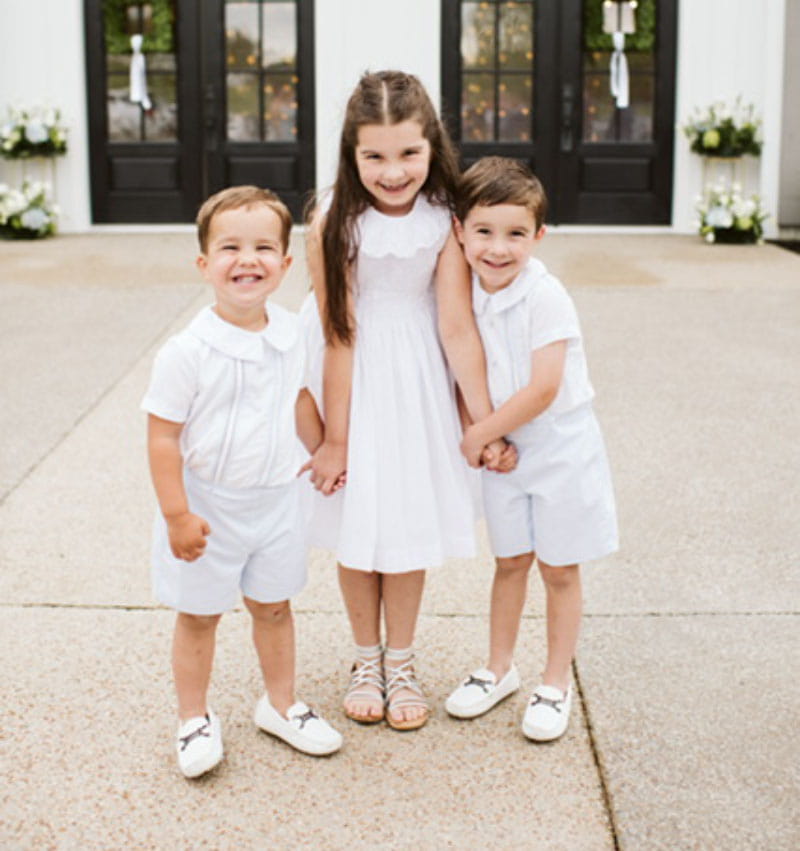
(328, 467)
(472, 446)
(505, 462)
(187, 535)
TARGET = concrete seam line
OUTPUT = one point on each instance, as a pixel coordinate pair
(598, 761)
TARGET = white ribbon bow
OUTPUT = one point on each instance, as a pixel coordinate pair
(620, 89)
(138, 75)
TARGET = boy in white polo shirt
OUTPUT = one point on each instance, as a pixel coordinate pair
(557, 505)
(224, 456)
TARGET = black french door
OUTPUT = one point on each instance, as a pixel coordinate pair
(531, 79)
(219, 92)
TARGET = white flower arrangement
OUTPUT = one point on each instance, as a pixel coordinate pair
(35, 132)
(726, 215)
(720, 131)
(27, 213)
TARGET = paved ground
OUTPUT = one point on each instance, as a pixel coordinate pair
(685, 734)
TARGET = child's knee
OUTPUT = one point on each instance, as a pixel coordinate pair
(559, 577)
(198, 623)
(520, 563)
(270, 613)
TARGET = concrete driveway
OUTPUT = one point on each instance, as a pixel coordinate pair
(685, 735)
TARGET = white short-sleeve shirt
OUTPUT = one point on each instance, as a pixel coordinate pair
(531, 312)
(235, 393)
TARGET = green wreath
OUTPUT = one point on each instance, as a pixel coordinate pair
(643, 40)
(118, 39)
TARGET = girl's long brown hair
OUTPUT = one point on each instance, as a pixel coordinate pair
(385, 97)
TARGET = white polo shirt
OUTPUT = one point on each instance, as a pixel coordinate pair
(235, 392)
(531, 312)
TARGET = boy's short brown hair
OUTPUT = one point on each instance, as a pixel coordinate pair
(235, 197)
(500, 180)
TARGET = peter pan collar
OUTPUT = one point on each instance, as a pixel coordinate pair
(517, 290)
(280, 333)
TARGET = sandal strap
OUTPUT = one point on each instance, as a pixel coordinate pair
(366, 674)
(403, 677)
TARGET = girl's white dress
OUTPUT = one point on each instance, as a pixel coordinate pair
(408, 502)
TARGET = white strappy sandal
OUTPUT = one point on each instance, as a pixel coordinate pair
(399, 678)
(366, 676)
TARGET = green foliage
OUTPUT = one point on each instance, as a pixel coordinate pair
(159, 35)
(641, 41)
(722, 132)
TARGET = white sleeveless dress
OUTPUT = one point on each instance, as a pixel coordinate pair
(409, 499)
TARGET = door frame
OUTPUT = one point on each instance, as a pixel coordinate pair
(201, 160)
(560, 171)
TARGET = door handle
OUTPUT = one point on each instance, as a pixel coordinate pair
(567, 113)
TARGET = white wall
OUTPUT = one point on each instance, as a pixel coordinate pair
(353, 36)
(728, 48)
(42, 62)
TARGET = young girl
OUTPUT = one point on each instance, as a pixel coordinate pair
(388, 274)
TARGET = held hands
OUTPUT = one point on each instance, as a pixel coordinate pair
(499, 455)
(187, 535)
(328, 467)
(503, 461)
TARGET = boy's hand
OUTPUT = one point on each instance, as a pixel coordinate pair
(492, 453)
(505, 462)
(187, 535)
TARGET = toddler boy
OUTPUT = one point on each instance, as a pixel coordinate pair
(224, 456)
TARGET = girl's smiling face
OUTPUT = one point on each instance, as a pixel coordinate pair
(393, 161)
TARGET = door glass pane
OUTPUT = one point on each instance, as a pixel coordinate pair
(497, 45)
(477, 36)
(603, 120)
(280, 108)
(241, 35)
(515, 108)
(243, 108)
(261, 47)
(141, 84)
(161, 120)
(516, 36)
(278, 36)
(477, 107)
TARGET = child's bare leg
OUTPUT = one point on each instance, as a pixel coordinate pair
(509, 590)
(192, 657)
(564, 607)
(361, 592)
(402, 595)
(273, 637)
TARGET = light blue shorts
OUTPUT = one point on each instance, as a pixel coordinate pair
(257, 548)
(558, 502)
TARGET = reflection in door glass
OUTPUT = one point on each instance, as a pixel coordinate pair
(141, 104)
(261, 51)
(497, 51)
(603, 120)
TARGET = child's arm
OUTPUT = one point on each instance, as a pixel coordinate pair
(460, 338)
(310, 430)
(308, 422)
(329, 460)
(547, 369)
(187, 531)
